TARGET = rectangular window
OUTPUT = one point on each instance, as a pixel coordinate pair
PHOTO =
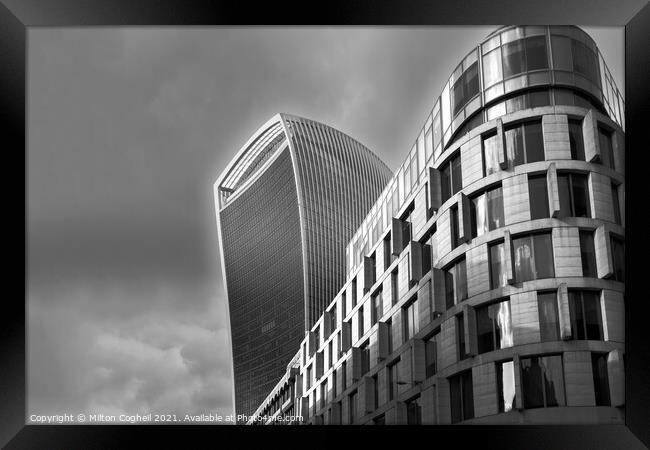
(377, 307)
(414, 411)
(486, 211)
(375, 388)
(585, 61)
(524, 143)
(392, 381)
(354, 292)
(506, 385)
(574, 195)
(455, 230)
(586, 317)
(490, 155)
(344, 374)
(388, 256)
(588, 254)
(451, 177)
(343, 305)
(492, 67)
(542, 379)
(536, 53)
(360, 321)
(494, 327)
(333, 319)
(601, 380)
(575, 140)
(353, 406)
(514, 58)
(456, 283)
(330, 353)
(465, 88)
(394, 286)
(309, 377)
(410, 314)
(616, 205)
(389, 327)
(606, 148)
(365, 357)
(462, 397)
(373, 268)
(533, 257)
(538, 196)
(460, 336)
(618, 258)
(498, 275)
(431, 354)
(549, 323)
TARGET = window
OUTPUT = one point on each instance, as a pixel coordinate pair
(343, 306)
(389, 327)
(465, 88)
(455, 230)
(394, 285)
(533, 257)
(462, 397)
(360, 321)
(490, 155)
(373, 268)
(498, 274)
(574, 195)
(309, 377)
(549, 323)
(414, 411)
(572, 55)
(601, 380)
(460, 336)
(456, 283)
(538, 196)
(588, 254)
(388, 256)
(431, 354)
(451, 177)
(365, 357)
(618, 258)
(506, 385)
(606, 148)
(494, 327)
(377, 307)
(586, 320)
(330, 353)
(575, 140)
(323, 394)
(380, 420)
(486, 211)
(344, 374)
(524, 54)
(524, 143)
(333, 319)
(375, 388)
(542, 379)
(492, 67)
(410, 313)
(354, 292)
(353, 406)
(616, 205)
(426, 258)
(392, 380)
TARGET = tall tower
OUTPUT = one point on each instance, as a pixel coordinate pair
(287, 204)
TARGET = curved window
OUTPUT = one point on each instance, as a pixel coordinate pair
(575, 56)
(523, 55)
(465, 88)
(486, 212)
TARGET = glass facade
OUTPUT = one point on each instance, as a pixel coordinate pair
(494, 327)
(542, 379)
(533, 257)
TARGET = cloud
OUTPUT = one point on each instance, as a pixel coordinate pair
(162, 359)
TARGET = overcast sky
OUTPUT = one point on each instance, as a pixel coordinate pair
(128, 130)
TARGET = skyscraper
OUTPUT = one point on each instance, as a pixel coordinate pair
(489, 276)
(286, 206)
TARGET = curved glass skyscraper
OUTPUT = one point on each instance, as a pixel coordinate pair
(287, 205)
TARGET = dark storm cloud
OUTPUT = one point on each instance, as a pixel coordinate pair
(128, 130)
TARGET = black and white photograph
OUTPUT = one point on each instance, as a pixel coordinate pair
(242, 226)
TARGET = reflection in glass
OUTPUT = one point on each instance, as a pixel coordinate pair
(491, 154)
(574, 195)
(498, 275)
(513, 58)
(588, 254)
(506, 385)
(494, 327)
(549, 324)
(586, 319)
(538, 197)
(601, 381)
(542, 381)
(492, 67)
(533, 257)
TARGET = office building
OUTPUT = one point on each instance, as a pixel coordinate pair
(486, 285)
(286, 205)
